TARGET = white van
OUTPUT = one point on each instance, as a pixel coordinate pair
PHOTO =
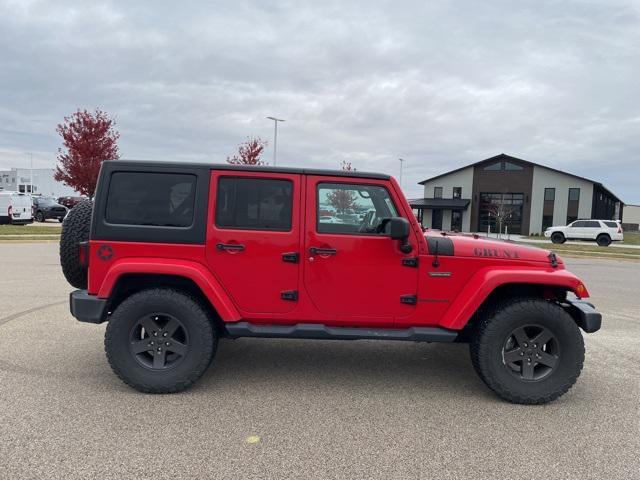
(15, 208)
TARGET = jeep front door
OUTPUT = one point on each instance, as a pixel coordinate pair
(353, 271)
(253, 239)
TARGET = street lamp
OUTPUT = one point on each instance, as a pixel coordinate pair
(275, 136)
(401, 160)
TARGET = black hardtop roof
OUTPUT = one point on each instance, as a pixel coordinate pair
(246, 168)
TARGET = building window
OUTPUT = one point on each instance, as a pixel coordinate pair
(574, 194)
(457, 192)
(573, 204)
(512, 167)
(437, 192)
(494, 167)
(547, 207)
(549, 194)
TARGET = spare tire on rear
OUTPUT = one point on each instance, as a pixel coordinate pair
(75, 229)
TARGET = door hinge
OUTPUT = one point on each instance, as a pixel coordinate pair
(291, 257)
(410, 262)
(409, 299)
(291, 295)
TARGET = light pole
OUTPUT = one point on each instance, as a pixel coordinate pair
(401, 160)
(275, 136)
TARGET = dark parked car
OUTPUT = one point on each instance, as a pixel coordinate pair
(70, 202)
(45, 207)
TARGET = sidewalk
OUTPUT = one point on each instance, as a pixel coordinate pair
(543, 240)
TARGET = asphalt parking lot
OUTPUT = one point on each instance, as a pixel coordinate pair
(321, 409)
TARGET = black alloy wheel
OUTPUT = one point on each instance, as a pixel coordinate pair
(40, 217)
(159, 341)
(531, 353)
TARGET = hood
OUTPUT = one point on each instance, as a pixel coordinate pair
(481, 247)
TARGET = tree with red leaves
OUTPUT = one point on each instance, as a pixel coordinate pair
(347, 166)
(88, 140)
(341, 199)
(249, 152)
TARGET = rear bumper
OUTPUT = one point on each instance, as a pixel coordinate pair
(585, 315)
(87, 308)
(21, 221)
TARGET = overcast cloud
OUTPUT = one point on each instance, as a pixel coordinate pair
(440, 84)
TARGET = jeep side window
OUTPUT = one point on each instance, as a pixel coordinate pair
(353, 209)
(254, 204)
(155, 199)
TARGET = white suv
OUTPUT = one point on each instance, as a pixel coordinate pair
(603, 232)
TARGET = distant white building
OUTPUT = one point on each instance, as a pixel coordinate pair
(19, 180)
(631, 217)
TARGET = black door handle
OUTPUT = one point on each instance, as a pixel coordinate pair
(322, 251)
(230, 246)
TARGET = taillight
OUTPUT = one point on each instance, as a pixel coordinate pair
(9, 211)
(619, 229)
(83, 254)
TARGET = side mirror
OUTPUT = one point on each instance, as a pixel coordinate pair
(399, 229)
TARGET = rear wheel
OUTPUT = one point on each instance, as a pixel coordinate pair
(557, 237)
(527, 351)
(603, 240)
(160, 341)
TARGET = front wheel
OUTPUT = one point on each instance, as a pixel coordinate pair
(527, 351)
(160, 341)
(40, 217)
(557, 237)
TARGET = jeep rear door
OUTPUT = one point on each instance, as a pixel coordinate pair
(253, 238)
(352, 272)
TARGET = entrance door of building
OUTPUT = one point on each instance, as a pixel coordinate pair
(436, 219)
(501, 208)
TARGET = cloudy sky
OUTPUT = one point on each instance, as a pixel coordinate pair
(440, 84)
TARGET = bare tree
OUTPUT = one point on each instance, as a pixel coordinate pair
(502, 213)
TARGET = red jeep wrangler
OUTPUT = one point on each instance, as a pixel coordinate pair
(175, 256)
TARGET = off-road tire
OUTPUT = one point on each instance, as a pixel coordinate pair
(557, 238)
(492, 329)
(75, 229)
(201, 346)
(603, 240)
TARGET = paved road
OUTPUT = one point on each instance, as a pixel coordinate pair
(321, 409)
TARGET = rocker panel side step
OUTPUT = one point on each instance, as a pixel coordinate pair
(319, 331)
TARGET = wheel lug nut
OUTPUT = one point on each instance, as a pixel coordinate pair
(150, 343)
(167, 344)
(522, 354)
(159, 349)
(525, 344)
(155, 334)
(164, 334)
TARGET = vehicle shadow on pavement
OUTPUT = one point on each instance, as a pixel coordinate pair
(312, 364)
